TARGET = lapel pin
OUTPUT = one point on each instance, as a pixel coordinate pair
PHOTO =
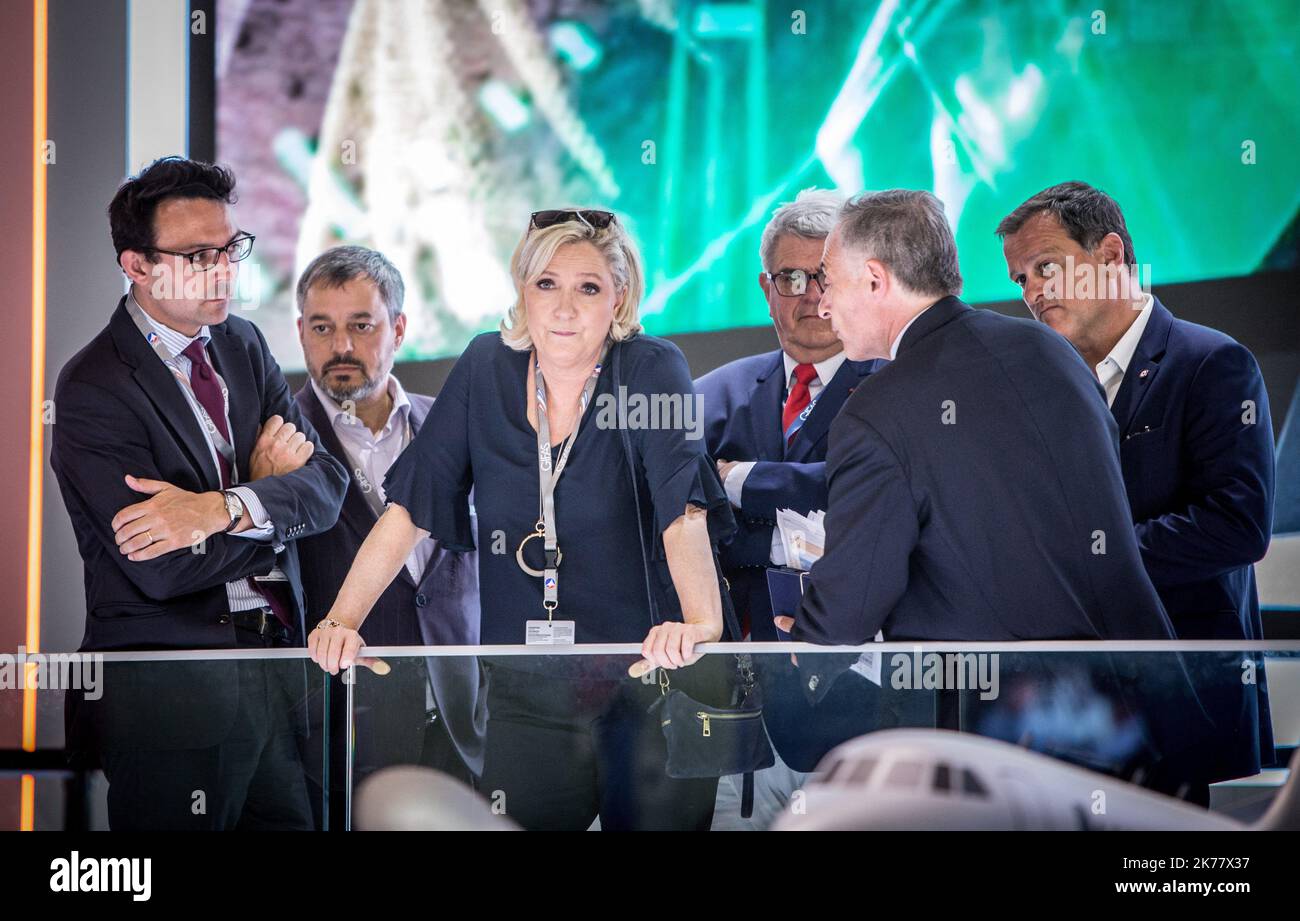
(1144, 372)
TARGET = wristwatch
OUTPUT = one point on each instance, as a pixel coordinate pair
(234, 508)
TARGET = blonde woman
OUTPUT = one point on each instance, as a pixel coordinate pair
(517, 422)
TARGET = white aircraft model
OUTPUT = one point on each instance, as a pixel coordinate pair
(408, 797)
(934, 779)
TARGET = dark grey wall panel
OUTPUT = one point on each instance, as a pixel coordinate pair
(87, 121)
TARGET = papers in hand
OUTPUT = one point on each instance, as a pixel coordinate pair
(802, 536)
(804, 540)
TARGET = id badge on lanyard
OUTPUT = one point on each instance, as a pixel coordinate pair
(551, 632)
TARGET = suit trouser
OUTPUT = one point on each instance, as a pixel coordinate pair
(251, 780)
(562, 751)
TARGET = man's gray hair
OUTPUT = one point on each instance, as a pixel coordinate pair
(339, 265)
(907, 231)
(811, 215)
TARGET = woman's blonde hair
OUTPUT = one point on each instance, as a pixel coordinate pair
(534, 254)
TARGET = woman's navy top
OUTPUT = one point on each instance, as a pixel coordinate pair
(477, 436)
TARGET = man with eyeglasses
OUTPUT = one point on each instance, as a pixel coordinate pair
(767, 416)
(189, 473)
(766, 423)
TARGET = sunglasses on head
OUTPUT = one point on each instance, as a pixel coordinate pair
(597, 219)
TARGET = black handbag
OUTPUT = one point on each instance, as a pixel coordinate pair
(726, 735)
(707, 741)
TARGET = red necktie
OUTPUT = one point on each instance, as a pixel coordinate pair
(203, 380)
(799, 397)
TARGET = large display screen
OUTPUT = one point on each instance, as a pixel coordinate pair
(430, 129)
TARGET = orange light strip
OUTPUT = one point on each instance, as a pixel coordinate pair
(27, 814)
(36, 458)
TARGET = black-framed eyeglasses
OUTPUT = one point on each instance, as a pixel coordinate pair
(794, 282)
(597, 219)
(236, 250)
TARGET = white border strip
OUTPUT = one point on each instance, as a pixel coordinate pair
(157, 81)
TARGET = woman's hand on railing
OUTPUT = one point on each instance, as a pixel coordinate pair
(672, 645)
(335, 642)
(334, 645)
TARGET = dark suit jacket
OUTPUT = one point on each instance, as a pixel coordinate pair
(443, 610)
(972, 482)
(1198, 467)
(119, 411)
(1196, 446)
(743, 401)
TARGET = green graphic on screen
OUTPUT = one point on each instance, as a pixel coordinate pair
(433, 137)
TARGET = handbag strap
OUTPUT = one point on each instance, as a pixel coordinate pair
(728, 612)
(616, 369)
(744, 666)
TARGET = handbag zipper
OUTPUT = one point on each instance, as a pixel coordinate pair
(706, 718)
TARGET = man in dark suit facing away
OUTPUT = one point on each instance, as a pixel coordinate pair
(189, 476)
(975, 486)
(1196, 437)
(430, 711)
(975, 490)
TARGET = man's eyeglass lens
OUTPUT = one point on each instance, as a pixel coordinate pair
(238, 250)
(795, 283)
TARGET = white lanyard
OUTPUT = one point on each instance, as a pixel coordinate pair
(547, 478)
(368, 489)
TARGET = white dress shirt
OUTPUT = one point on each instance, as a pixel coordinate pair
(240, 593)
(893, 347)
(1113, 367)
(370, 454)
(734, 484)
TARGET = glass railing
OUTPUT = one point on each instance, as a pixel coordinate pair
(1050, 733)
(187, 740)
(752, 736)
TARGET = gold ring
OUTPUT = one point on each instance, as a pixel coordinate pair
(149, 534)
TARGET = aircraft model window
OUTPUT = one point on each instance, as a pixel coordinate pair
(904, 774)
(862, 771)
(942, 780)
(829, 774)
(972, 785)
